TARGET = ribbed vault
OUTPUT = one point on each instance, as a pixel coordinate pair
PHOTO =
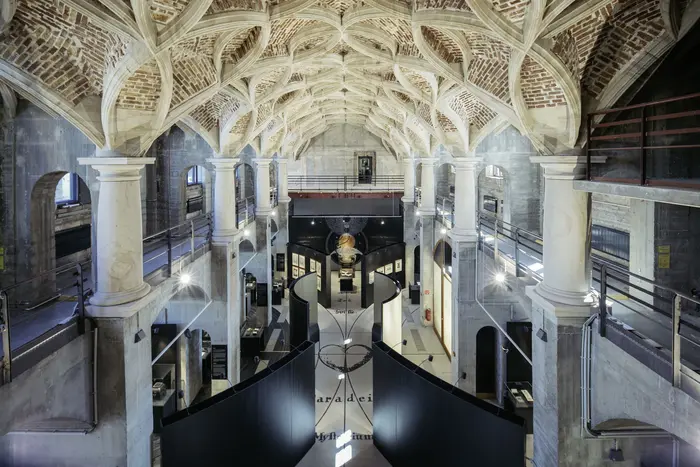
(275, 74)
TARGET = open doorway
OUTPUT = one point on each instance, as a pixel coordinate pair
(486, 363)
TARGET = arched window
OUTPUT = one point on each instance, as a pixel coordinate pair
(67, 189)
(195, 176)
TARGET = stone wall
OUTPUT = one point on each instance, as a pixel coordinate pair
(333, 153)
(511, 151)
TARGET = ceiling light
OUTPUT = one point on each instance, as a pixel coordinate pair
(443, 231)
(500, 277)
(245, 232)
(185, 279)
(382, 222)
(313, 222)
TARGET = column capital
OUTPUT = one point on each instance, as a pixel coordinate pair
(565, 167)
(466, 162)
(263, 162)
(429, 160)
(223, 162)
(117, 168)
(554, 307)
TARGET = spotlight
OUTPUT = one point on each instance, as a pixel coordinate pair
(273, 213)
(139, 336)
(185, 279)
(341, 376)
(347, 341)
(245, 232)
(382, 222)
(403, 342)
(188, 333)
(313, 222)
(443, 231)
(429, 359)
(500, 277)
(542, 335)
(616, 454)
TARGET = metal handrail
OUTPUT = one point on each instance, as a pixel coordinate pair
(343, 183)
(6, 316)
(642, 136)
(607, 280)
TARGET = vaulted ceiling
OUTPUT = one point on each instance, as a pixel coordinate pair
(275, 74)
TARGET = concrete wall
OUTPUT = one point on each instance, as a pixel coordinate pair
(333, 153)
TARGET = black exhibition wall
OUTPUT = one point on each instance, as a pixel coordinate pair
(324, 295)
(385, 290)
(267, 419)
(419, 419)
(380, 258)
(374, 232)
(303, 310)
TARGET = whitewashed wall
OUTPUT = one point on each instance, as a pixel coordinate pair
(333, 153)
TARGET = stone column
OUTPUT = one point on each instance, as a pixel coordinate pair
(262, 187)
(558, 308)
(119, 239)
(465, 199)
(427, 180)
(409, 181)
(282, 181)
(224, 198)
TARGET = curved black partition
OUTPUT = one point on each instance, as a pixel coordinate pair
(387, 310)
(303, 310)
(393, 255)
(265, 420)
(419, 419)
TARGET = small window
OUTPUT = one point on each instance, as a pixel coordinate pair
(67, 189)
(195, 176)
(493, 171)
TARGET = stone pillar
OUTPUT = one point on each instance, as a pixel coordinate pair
(559, 309)
(427, 180)
(282, 181)
(409, 181)
(642, 245)
(427, 242)
(262, 187)
(119, 239)
(224, 198)
(465, 198)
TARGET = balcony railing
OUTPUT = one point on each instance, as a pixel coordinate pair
(41, 314)
(245, 211)
(445, 211)
(345, 183)
(650, 144)
(655, 315)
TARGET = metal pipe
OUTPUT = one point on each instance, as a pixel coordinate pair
(95, 418)
(6, 347)
(586, 345)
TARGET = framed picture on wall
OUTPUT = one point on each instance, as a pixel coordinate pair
(389, 268)
(302, 262)
(318, 268)
(295, 272)
(318, 283)
(398, 265)
(312, 266)
(370, 278)
(302, 271)
(380, 270)
(295, 259)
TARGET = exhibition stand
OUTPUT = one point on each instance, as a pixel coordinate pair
(303, 260)
(390, 261)
(303, 310)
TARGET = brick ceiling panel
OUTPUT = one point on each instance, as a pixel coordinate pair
(539, 87)
(237, 47)
(442, 5)
(627, 27)
(442, 44)
(514, 10)
(219, 6)
(490, 75)
(191, 75)
(164, 11)
(142, 90)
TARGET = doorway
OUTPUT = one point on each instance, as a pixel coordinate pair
(486, 363)
(365, 169)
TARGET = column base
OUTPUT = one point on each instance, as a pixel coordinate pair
(463, 235)
(284, 200)
(119, 298)
(224, 236)
(265, 211)
(559, 305)
(426, 211)
(408, 199)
